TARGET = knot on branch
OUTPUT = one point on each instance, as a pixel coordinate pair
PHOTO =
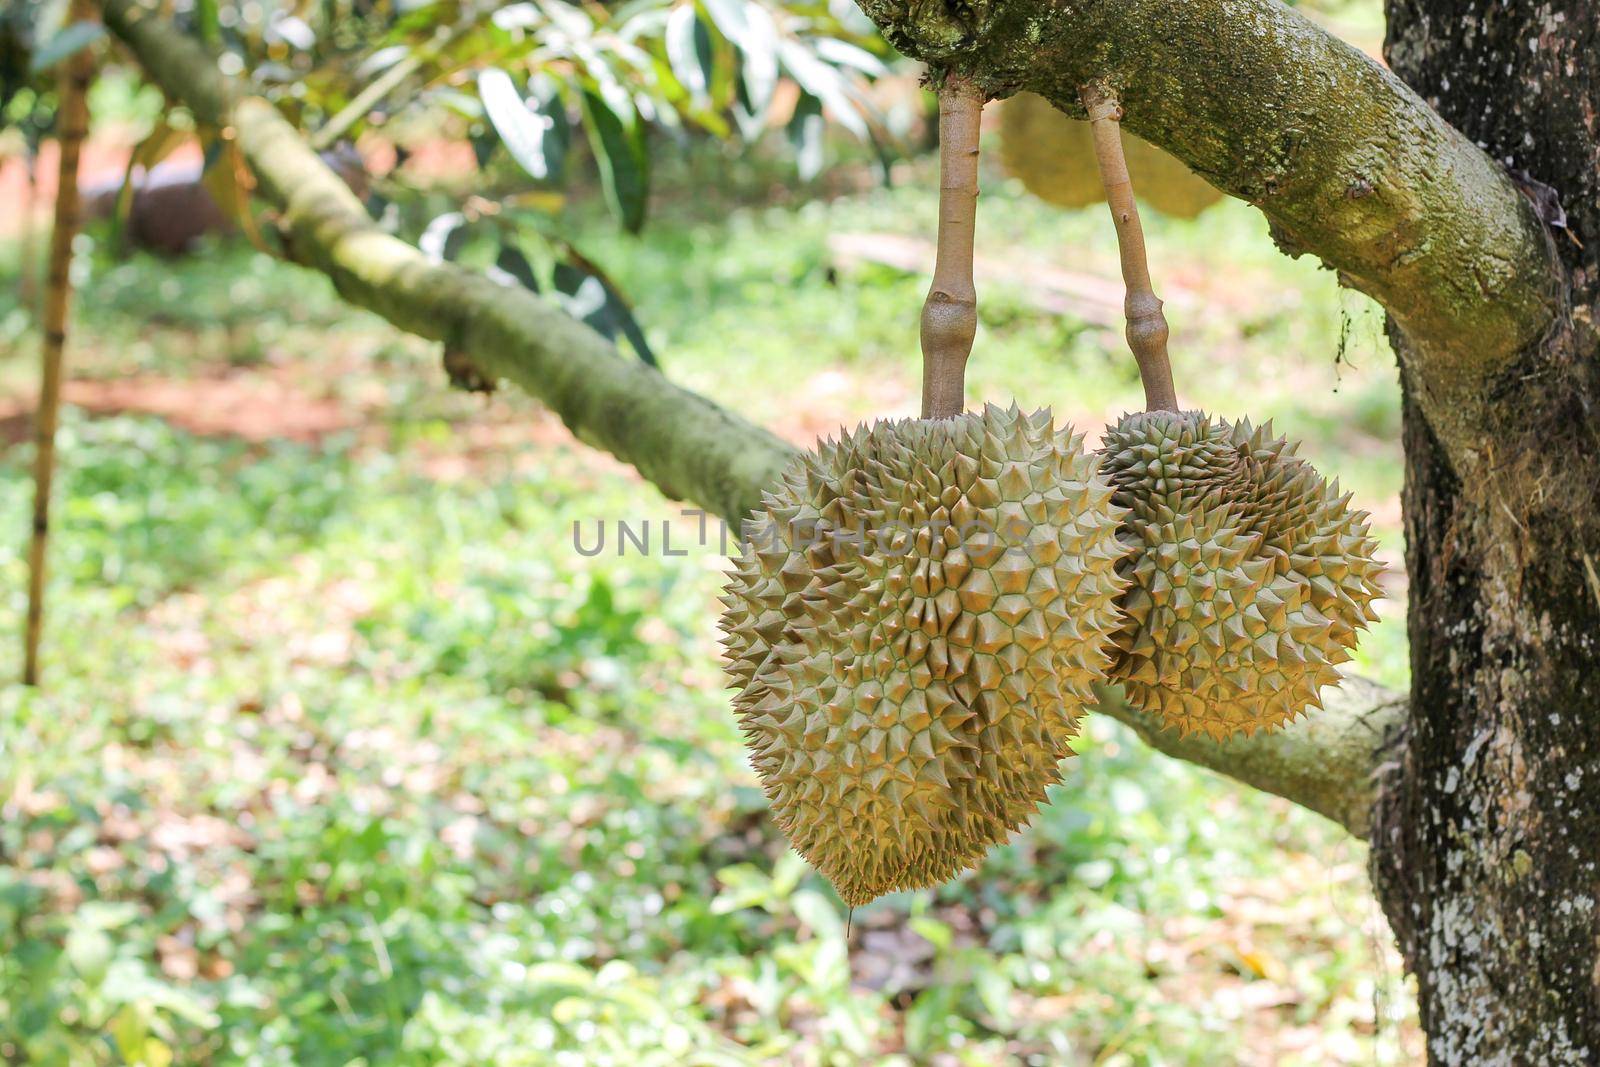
(932, 30)
(464, 373)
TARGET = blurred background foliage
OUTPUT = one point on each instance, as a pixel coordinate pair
(347, 755)
(543, 92)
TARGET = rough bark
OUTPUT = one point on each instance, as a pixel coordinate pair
(689, 447)
(1487, 848)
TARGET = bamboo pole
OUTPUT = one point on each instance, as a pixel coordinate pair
(72, 126)
(27, 241)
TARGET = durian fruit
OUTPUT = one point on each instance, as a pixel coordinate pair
(1250, 576)
(1165, 183)
(1049, 153)
(1053, 156)
(914, 624)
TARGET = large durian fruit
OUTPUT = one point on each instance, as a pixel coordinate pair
(1250, 576)
(914, 624)
(1053, 156)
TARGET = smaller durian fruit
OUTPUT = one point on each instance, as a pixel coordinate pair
(1053, 156)
(1250, 576)
(1163, 182)
(917, 616)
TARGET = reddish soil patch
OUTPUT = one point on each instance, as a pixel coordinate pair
(249, 406)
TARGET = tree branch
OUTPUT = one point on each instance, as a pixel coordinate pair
(688, 446)
(1325, 761)
(1345, 161)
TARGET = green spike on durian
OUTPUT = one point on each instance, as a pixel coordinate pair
(1250, 575)
(953, 669)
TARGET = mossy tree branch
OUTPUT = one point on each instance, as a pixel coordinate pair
(1345, 161)
(1325, 761)
(688, 446)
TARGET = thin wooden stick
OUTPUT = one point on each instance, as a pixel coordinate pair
(1147, 325)
(950, 314)
(72, 126)
(27, 240)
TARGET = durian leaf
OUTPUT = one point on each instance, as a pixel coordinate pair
(825, 83)
(230, 182)
(618, 146)
(534, 135)
(157, 145)
(729, 16)
(443, 236)
(512, 261)
(592, 298)
(688, 52)
(805, 136)
(844, 54)
(69, 42)
(760, 50)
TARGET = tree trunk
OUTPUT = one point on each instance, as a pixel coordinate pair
(1486, 837)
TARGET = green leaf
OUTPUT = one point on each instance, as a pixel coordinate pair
(936, 933)
(69, 42)
(825, 83)
(533, 138)
(760, 49)
(683, 26)
(844, 54)
(787, 872)
(589, 296)
(994, 992)
(442, 238)
(624, 164)
(817, 912)
(205, 14)
(730, 18)
(805, 135)
(89, 951)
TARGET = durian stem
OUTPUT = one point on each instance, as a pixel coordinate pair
(950, 314)
(1147, 325)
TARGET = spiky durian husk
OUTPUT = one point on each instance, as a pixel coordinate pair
(1053, 156)
(915, 621)
(1327, 543)
(1250, 575)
